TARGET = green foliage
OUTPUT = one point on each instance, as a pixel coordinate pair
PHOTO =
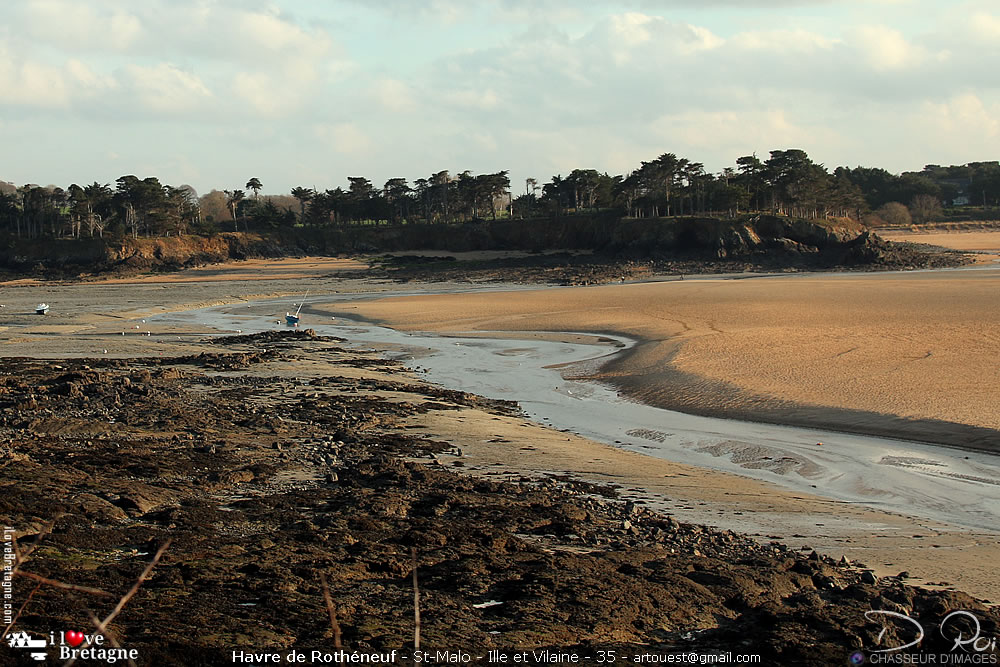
(787, 182)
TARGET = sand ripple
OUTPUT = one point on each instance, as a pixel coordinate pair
(759, 457)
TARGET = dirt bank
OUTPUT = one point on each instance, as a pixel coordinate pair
(699, 245)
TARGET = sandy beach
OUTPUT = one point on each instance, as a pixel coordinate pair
(973, 241)
(852, 349)
(776, 340)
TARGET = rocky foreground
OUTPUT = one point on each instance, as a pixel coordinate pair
(282, 457)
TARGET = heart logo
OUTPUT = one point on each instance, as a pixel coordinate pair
(74, 638)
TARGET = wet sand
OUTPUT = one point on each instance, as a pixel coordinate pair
(974, 241)
(862, 351)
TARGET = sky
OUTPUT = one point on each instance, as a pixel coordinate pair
(299, 93)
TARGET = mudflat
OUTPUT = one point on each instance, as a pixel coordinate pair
(914, 354)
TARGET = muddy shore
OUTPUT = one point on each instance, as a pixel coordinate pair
(269, 460)
(282, 456)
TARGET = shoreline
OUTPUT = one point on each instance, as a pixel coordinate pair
(746, 406)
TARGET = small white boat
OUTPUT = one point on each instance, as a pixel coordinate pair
(41, 308)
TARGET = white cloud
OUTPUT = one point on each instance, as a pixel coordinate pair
(473, 99)
(783, 41)
(177, 52)
(633, 36)
(985, 26)
(542, 86)
(394, 95)
(887, 48)
(166, 88)
(346, 138)
(30, 83)
(90, 83)
(125, 30)
(738, 132)
(965, 118)
(77, 25)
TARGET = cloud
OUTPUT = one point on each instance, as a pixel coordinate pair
(75, 25)
(633, 35)
(887, 48)
(179, 55)
(784, 41)
(394, 95)
(473, 99)
(964, 118)
(166, 88)
(261, 92)
(346, 138)
(985, 26)
(31, 83)
(533, 87)
(738, 132)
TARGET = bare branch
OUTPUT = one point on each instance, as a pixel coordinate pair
(59, 584)
(125, 598)
(334, 625)
(107, 633)
(416, 601)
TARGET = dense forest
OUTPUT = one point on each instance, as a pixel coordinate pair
(787, 183)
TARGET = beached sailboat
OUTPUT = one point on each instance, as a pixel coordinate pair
(293, 320)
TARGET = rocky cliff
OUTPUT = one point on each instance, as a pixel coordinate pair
(764, 239)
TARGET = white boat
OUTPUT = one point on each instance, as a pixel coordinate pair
(42, 308)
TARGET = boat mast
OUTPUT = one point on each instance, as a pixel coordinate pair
(300, 304)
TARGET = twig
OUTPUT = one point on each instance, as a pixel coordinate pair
(128, 596)
(107, 633)
(416, 601)
(7, 630)
(59, 584)
(334, 625)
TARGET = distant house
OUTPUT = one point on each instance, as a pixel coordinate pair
(960, 186)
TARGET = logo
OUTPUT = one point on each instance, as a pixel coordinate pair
(23, 640)
(906, 619)
(71, 645)
(967, 640)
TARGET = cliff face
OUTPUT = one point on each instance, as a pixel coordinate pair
(774, 239)
(724, 238)
(706, 237)
(178, 251)
(53, 257)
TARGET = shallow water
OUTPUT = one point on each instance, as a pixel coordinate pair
(910, 478)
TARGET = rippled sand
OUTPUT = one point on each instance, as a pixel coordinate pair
(844, 349)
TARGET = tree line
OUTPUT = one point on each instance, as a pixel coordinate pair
(788, 182)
